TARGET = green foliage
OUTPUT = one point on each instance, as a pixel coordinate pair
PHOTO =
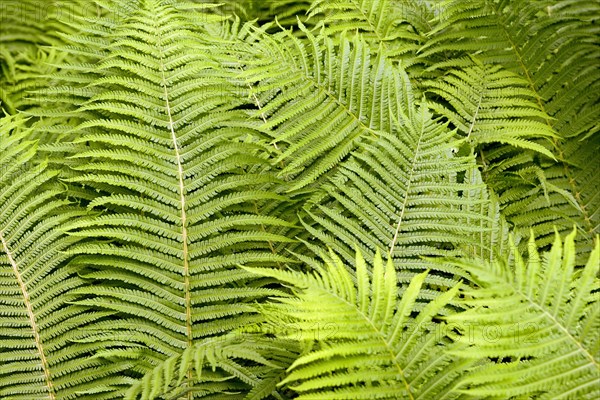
(543, 311)
(368, 342)
(195, 197)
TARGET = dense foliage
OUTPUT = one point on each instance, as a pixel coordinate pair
(327, 199)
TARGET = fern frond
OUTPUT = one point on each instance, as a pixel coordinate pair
(542, 195)
(39, 324)
(286, 12)
(363, 340)
(541, 317)
(25, 28)
(180, 178)
(408, 193)
(319, 101)
(491, 105)
(228, 365)
(551, 45)
(396, 29)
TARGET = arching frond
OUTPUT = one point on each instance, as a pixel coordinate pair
(542, 195)
(363, 340)
(407, 193)
(540, 316)
(319, 101)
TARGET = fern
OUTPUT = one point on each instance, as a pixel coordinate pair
(179, 182)
(542, 316)
(220, 356)
(367, 342)
(307, 90)
(406, 193)
(491, 105)
(171, 172)
(40, 357)
(397, 29)
(548, 44)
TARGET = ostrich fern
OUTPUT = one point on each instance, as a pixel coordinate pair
(299, 199)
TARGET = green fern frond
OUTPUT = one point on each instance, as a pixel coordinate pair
(540, 316)
(39, 324)
(542, 195)
(490, 105)
(551, 45)
(180, 180)
(285, 11)
(408, 193)
(25, 28)
(319, 101)
(396, 29)
(362, 339)
(228, 365)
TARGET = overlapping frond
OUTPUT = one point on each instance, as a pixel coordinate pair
(541, 317)
(286, 11)
(166, 143)
(490, 105)
(395, 28)
(553, 47)
(39, 324)
(405, 192)
(233, 364)
(363, 340)
(26, 26)
(543, 195)
(318, 101)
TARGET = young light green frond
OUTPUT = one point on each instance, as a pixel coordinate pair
(380, 349)
(541, 317)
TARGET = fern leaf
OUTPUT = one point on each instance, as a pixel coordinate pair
(179, 180)
(397, 29)
(366, 341)
(40, 326)
(215, 363)
(318, 101)
(541, 316)
(490, 105)
(406, 192)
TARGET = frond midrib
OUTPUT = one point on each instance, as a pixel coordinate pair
(408, 186)
(32, 319)
(182, 198)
